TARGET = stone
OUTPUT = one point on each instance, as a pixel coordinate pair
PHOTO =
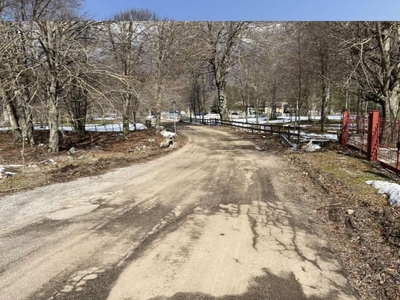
(166, 143)
(72, 151)
(350, 212)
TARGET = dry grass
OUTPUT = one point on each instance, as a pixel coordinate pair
(96, 153)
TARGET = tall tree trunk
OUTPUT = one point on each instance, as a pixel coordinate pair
(222, 107)
(53, 115)
(273, 105)
(392, 105)
(390, 114)
(324, 104)
(134, 120)
(12, 117)
(77, 105)
(25, 117)
(125, 115)
(158, 104)
(257, 109)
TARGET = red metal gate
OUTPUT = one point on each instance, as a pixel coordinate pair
(378, 138)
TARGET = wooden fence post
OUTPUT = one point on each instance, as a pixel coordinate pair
(373, 135)
(345, 128)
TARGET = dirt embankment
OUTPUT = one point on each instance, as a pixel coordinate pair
(79, 156)
(361, 224)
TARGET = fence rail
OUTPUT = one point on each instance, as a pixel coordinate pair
(292, 132)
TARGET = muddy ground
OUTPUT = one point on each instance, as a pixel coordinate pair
(361, 225)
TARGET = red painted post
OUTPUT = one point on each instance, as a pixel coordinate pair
(345, 128)
(398, 155)
(398, 147)
(373, 136)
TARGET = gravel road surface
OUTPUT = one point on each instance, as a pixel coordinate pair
(216, 219)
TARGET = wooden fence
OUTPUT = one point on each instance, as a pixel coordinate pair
(292, 132)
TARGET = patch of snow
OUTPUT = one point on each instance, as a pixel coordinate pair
(113, 127)
(168, 134)
(106, 118)
(310, 147)
(211, 116)
(320, 137)
(392, 190)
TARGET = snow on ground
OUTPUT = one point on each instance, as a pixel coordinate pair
(310, 147)
(392, 190)
(284, 119)
(168, 134)
(304, 136)
(209, 116)
(111, 127)
(103, 119)
(117, 127)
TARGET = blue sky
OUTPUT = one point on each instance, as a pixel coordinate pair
(253, 10)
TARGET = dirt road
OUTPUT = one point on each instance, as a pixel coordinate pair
(216, 219)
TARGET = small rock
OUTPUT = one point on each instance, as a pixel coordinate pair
(81, 157)
(151, 140)
(350, 212)
(141, 148)
(79, 289)
(2, 172)
(72, 151)
(166, 143)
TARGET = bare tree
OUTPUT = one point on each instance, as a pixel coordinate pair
(376, 46)
(136, 15)
(18, 84)
(223, 40)
(59, 44)
(126, 47)
(23, 61)
(35, 10)
(128, 37)
(166, 40)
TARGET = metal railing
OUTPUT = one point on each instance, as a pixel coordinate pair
(378, 138)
